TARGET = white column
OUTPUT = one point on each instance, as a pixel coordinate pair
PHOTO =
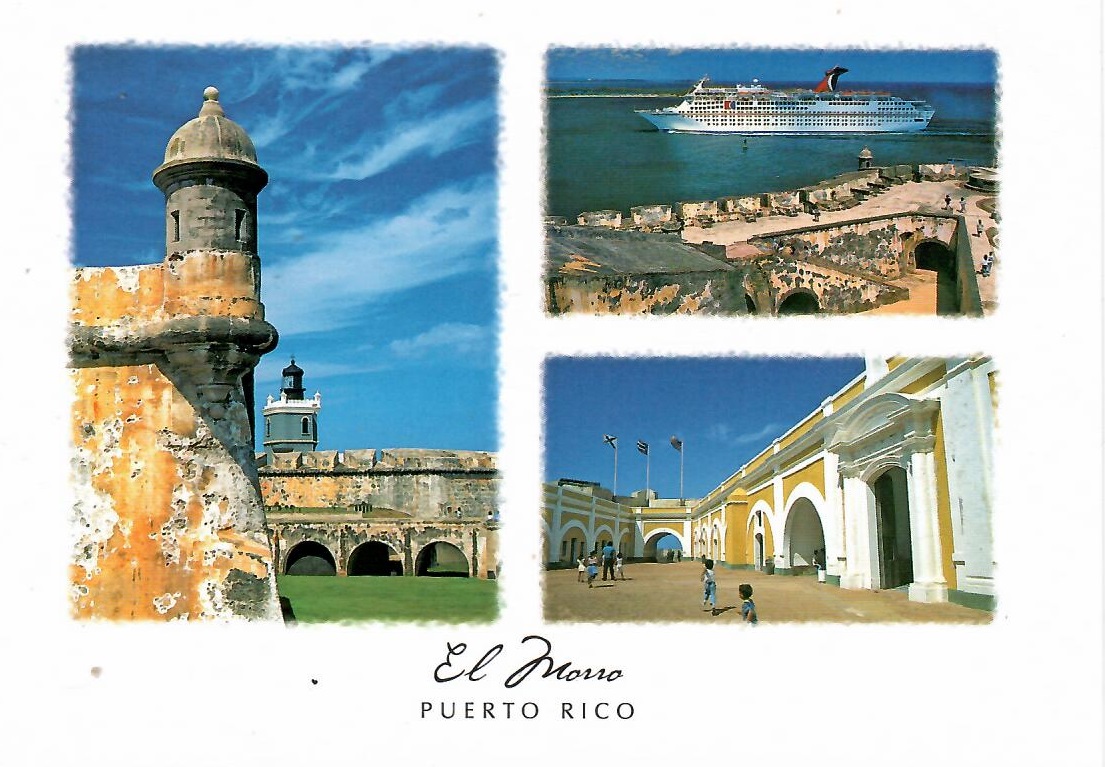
(856, 572)
(928, 579)
(834, 512)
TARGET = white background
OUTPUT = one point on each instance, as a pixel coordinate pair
(1025, 690)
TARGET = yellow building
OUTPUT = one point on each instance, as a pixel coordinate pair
(885, 485)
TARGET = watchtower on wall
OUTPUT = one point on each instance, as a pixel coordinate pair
(168, 519)
(291, 422)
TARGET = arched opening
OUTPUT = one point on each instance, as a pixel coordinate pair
(937, 257)
(663, 547)
(749, 304)
(799, 302)
(375, 558)
(310, 558)
(804, 537)
(441, 560)
(894, 547)
(759, 551)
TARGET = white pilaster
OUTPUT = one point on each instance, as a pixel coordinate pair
(856, 572)
(928, 579)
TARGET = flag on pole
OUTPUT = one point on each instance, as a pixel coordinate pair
(612, 441)
(642, 447)
(677, 443)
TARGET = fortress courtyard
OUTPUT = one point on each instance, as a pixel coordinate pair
(673, 592)
(917, 197)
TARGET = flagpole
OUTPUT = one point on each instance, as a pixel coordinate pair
(615, 469)
(678, 445)
(648, 460)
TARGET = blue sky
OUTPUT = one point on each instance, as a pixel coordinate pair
(773, 65)
(377, 230)
(724, 409)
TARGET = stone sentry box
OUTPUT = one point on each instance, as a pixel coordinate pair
(167, 515)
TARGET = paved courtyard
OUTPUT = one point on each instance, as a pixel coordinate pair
(673, 592)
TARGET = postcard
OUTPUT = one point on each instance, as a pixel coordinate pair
(456, 384)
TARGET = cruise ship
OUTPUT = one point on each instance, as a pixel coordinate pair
(754, 109)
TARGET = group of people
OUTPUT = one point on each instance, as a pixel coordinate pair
(709, 594)
(987, 264)
(612, 564)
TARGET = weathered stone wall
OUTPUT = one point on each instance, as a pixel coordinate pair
(421, 484)
(836, 291)
(167, 517)
(882, 247)
(717, 292)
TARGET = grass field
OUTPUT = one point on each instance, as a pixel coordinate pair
(322, 599)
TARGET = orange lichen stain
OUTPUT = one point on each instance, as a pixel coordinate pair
(212, 283)
(579, 264)
(143, 551)
(102, 296)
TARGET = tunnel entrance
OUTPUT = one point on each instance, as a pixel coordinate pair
(799, 302)
(310, 558)
(937, 257)
(441, 560)
(374, 558)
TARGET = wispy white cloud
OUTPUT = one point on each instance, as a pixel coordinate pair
(454, 339)
(446, 232)
(431, 134)
(267, 372)
(727, 434)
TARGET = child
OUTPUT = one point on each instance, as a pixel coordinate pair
(581, 569)
(618, 571)
(748, 607)
(592, 570)
(709, 586)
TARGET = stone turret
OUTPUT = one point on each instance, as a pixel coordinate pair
(167, 512)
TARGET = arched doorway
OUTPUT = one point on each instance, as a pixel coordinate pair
(310, 558)
(759, 551)
(936, 257)
(804, 536)
(441, 560)
(799, 302)
(894, 548)
(374, 558)
(663, 547)
(749, 304)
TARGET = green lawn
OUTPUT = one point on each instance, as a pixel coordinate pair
(328, 599)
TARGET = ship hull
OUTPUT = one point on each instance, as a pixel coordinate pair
(673, 122)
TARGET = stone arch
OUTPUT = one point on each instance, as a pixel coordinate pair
(441, 559)
(935, 256)
(619, 545)
(649, 550)
(803, 535)
(374, 558)
(310, 558)
(602, 533)
(799, 301)
(574, 549)
(762, 519)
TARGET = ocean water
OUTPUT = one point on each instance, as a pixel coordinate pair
(601, 155)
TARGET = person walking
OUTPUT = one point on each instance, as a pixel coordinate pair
(748, 607)
(619, 567)
(709, 586)
(962, 204)
(581, 568)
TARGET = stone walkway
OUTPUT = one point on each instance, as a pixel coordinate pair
(921, 197)
(673, 592)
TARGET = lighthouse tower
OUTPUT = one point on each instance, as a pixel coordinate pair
(291, 422)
